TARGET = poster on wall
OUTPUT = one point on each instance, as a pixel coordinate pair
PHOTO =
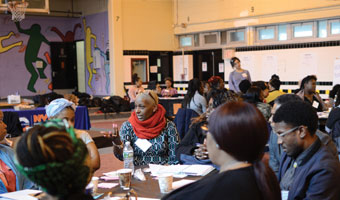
(220, 67)
(308, 64)
(269, 66)
(204, 66)
(153, 69)
(247, 62)
(336, 76)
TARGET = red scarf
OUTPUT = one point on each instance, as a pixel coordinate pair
(150, 128)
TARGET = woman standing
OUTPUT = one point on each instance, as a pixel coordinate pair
(236, 140)
(236, 76)
(194, 98)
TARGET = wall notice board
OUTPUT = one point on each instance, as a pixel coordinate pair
(291, 64)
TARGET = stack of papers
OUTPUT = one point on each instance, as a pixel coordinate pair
(192, 170)
(20, 195)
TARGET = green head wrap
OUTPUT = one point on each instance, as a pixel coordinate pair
(59, 178)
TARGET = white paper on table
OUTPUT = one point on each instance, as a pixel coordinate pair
(109, 178)
(194, 170)
(111, 174)
(133, 198)
(284, 194)
(181, 183)
(21, 194)
(107, 185)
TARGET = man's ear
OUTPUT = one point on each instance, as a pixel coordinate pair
(303, 132)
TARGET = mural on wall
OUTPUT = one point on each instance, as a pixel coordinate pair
(31, 54)
(97, 54)
(25, 60)
(27, 71)
(105, 56)
(69, 36)
(88, 52)
(4, 49)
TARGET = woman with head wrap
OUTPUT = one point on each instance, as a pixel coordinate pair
(55, 159)
(148, 124)
(64, 109)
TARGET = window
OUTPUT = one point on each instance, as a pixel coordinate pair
(282, 29)
(236, 36)
(224, 37)
(186, 41)
(303, 30)
(266, 33)
(322, 29)
(335, 27)
(210, 39)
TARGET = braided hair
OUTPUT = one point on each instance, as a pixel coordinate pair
(51, 156)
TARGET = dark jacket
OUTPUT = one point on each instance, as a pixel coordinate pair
(317, 178)
(275, 150)
(183, 120)
(191, 138)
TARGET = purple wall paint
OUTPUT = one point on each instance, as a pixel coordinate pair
(14, 76)
(99, 27)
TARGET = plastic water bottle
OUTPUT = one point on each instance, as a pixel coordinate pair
(128, 156)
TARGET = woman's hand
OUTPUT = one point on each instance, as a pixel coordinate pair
(201, 152)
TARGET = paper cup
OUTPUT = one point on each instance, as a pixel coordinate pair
(95, 181)
(165, 183)
(125, 178)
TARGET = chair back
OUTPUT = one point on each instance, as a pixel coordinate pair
(183, 120)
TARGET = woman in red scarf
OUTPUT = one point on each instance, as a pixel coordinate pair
(153, 137)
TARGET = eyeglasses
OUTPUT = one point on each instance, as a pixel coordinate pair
(286, 132)
(147, 92)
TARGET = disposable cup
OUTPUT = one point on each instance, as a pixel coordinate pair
(165, 183)
(125, 178)
(95, 181)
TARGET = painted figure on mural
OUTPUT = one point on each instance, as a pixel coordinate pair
(31, 54)
(4, 49)
(88, 52)
(69, 36)
(106, 57)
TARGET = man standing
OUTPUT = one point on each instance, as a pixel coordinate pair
(308, 170)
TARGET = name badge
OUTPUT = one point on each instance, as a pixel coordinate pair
(244, 75)
(315, 104)
(143, 144)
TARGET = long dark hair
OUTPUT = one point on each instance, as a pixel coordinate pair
(135, 78)
(194, 85)
(253, 95)
(241, 130)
